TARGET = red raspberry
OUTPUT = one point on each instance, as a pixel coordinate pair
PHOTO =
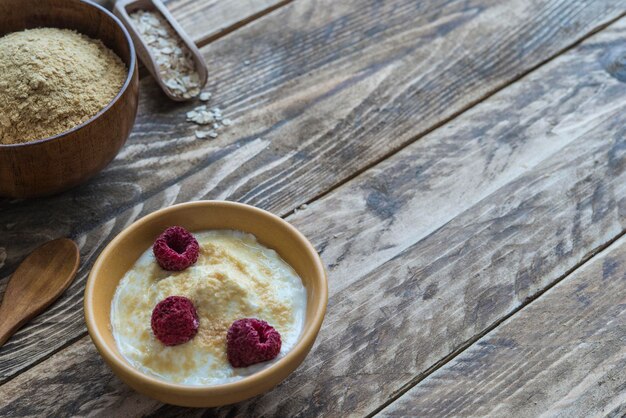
(250, 341)
(174, 320)
(176, 249)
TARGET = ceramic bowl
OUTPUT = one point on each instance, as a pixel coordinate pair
(123, 251)
(51, 165)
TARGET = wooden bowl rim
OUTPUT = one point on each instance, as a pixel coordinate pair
(129, 77)
(305, 341)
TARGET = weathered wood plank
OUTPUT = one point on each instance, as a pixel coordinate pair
(430, 301)
(205, 20)
(499, 194)
(359, 83)
(330, 90)
(564, 355)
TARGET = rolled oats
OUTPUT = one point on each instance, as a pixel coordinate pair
(201, 115)
(174, 60)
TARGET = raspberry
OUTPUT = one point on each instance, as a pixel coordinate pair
(250, 341)
(174, 320)
(176, 249)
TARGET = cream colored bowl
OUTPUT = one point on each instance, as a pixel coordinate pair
(120, 255)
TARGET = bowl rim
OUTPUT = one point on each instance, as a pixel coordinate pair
(129, 77)
(301, 348)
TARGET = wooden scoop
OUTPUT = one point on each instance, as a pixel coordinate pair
(37, 282)
(124, 8)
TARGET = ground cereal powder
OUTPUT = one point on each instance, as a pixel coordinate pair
(52, 80)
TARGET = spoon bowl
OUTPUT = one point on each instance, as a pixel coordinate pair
(41, 278)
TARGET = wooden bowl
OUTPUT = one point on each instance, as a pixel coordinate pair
(65, 160)
(122, 253)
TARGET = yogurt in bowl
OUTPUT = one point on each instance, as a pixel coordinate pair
(122, 256)
(234, 277)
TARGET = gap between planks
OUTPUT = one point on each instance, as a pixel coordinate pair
(582, 257)
(461, 112)
(211, 37)
(152, 191)
(588, 258)
(561, 356)
(394, 151)
(455, 115)
(205, 40)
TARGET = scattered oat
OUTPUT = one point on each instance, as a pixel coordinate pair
(205, 96)
(205, 134)
(202, 115)
(246, 62)
(303, 206)
(173, 58)
(202, 134)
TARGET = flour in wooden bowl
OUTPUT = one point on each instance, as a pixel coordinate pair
(52, 80)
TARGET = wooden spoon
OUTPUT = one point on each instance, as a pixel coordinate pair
(37, 282)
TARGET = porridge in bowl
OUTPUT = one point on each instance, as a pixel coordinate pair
(207, 308)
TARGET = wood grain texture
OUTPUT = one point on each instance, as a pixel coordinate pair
(206, 20)
(400, 320)
(307, 117)
(323, 112)
(564, 355)
(427, 249)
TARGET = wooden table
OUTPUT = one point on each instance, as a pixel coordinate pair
(459, 164)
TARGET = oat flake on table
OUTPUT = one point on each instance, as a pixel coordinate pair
(203, 116)
(177, 69)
